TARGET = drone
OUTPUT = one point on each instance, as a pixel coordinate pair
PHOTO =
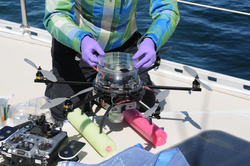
(117, 87)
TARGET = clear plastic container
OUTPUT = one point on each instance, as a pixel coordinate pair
(116, 116)
(116, 72)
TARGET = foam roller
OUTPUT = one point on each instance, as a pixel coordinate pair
(152, 133)
(91, 132)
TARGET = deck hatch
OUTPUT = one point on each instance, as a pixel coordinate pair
(247, 87)
(8, 27)
(34, 34)
(212, 78)
(178, 70)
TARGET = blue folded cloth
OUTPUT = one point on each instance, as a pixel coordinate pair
(138, 156)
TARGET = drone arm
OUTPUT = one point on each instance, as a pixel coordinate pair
(87, 100)
(156, 65)
(173, 88)
(63, 82)
(147, 69)
(158, 59)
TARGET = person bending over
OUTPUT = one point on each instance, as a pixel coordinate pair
(87, 27)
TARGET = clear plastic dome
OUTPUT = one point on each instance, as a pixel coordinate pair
(116, 72)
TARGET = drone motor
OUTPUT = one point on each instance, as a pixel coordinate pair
(39, 74)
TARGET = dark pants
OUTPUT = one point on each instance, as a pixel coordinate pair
(65, 67)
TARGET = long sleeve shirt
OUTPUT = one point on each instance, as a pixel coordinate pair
(110, 22)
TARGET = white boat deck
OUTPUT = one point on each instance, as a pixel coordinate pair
(226, 108)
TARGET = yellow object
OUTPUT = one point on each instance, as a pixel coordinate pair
(91, 132)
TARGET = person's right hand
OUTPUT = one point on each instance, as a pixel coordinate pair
(90, 49)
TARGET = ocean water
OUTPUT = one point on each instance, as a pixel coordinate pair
(206, 38)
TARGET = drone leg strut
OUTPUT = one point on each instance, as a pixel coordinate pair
(104, 117)
(87, 100)
(144, 106)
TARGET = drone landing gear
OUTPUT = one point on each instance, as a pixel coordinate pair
(156, 114)
(87, 108)
(104, 117)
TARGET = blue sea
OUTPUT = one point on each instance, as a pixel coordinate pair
(206, 38)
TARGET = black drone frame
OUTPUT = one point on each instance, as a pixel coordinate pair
(130, 94)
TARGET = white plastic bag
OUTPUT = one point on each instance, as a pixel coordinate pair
(20, 112)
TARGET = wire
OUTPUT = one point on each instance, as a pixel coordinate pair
(95, 69)
(147, 88)
(217, 8)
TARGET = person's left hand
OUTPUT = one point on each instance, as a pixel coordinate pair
(147, 52)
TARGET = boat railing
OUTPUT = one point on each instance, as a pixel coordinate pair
(24, 14)
(25, 32)
(32, 35)
(212, 7)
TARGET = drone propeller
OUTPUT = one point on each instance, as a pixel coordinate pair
(164, 49)
(193, 73)
(160, 97)
(57, 101)
(46, 73)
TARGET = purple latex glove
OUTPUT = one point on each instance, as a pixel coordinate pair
(90, 49)
(147, 53)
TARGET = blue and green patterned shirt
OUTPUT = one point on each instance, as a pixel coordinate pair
(110, 22)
